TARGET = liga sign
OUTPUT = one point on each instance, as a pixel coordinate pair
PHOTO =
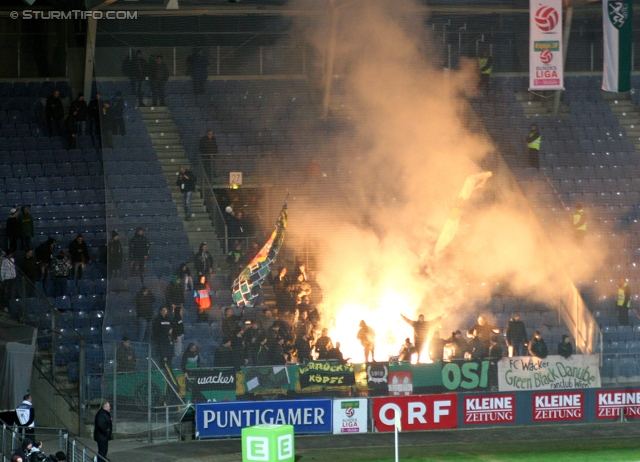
(545, 45)
(551, 373)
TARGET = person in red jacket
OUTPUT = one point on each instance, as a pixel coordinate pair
(202, 298)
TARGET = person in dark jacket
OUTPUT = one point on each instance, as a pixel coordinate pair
(44, 256)
(184, 274)
(139, 253)
(79, 253)
(223, 355)
(367, 337)
(495, 350)
(158, 76)
(161, 339)
(29, 269)
(187, 183)
(538, 347)
(476, 347)
(208, 153)
(459, 345)
(516, 336)
(81, 110)
(144, 312)
(565, 348)
(230, 323)
(102, 429)
(94, 111)
(116, 116)
(135, 68)
(324, 344)
(303, 346)
(485, 331)
(174, 293)
(60, 270)
(436, 347)
(203, 261)
(54, 113)
(114, 256)
(277, 352)
(198, 65)
(12, 230)
(23, 450)
(71, 129)
(420, 331)
(190, 359)
(126, 356)
(26, 228)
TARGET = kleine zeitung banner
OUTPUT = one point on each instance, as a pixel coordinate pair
(545, 45)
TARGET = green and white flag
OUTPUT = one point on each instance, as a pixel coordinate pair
(617, 24)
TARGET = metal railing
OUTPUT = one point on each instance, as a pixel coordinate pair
(53, 440)
(54, 330)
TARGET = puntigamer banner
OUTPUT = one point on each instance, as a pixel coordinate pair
(545, 45)
(551, 373)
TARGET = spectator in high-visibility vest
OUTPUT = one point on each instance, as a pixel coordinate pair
(579, 223)
(202, 298)
(485, 64)
(623, 302)
(533, 143)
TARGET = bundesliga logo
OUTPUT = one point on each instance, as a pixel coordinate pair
(546, 57)
(547, 18)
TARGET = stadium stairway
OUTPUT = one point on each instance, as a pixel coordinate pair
(628, 114)
(171, 154)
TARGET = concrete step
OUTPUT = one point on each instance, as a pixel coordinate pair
(170, 137)
(155, 110)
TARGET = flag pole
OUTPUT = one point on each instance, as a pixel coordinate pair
(396, 429)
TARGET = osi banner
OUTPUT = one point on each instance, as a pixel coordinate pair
(545, 45)
(616, 19)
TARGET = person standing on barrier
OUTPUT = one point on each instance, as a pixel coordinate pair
(420, 331)
(27, 416)
(516, 336)
(367, 337)
(102, 429)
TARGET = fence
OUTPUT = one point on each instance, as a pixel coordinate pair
(146, 399)
(53, 440)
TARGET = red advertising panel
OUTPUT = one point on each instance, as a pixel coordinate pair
(558, 406)
(427, 412)
(609, 403)
(489, 409)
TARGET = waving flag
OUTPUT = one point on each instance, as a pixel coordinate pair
(245, 287)
(472, 183)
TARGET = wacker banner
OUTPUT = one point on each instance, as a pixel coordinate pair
(551, 373)
(545, 45)
(616, 21)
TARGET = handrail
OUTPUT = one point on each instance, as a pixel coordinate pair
(217, 217)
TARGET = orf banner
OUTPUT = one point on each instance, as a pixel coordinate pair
(215, 420)
(545, 45)
(616, 19)
(424, 412)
